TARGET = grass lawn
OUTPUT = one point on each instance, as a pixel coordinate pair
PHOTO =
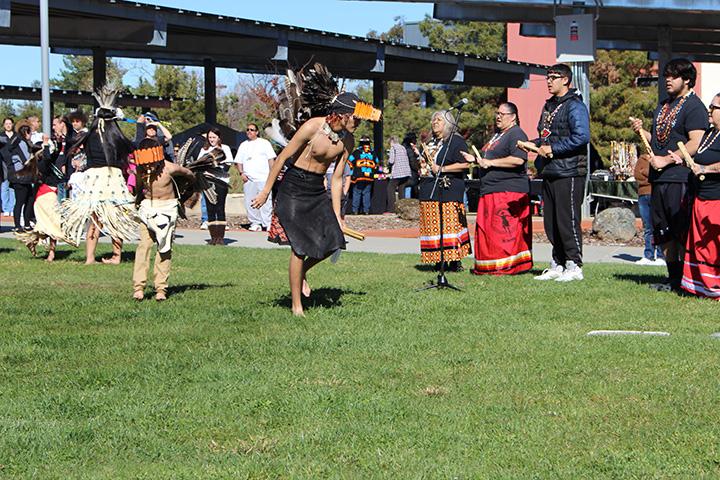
(379, 381)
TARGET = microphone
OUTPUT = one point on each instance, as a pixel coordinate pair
(459, 105)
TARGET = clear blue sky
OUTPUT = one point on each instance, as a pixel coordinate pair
(343, 16)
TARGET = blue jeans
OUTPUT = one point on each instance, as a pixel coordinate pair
(62, 192)
(203, 209)
(650, 252)
(361, 196)
(7, 197)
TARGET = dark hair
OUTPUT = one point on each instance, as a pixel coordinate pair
(563, 70)
(9, 118)
(24, 130)
(254, 125)
(115, 144)
(214, 130)
(681, 68)
(513, 109)
(410, 137)
(77, 115)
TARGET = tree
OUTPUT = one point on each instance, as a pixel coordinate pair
(77, 73)
(169, 81)
(615, 97)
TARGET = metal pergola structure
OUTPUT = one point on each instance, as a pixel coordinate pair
(119, 28)
(83, 97)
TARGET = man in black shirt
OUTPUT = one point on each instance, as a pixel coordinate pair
(681, 117)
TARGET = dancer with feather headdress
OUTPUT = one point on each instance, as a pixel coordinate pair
(105, 199)
(158, 212)
(311, 222)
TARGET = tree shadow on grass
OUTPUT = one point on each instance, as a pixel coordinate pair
(320, 298)
(6, 250)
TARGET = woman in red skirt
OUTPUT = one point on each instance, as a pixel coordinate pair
(701, 269)
(503, 235)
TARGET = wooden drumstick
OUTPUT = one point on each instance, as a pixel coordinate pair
(688, 159)
(353, 233)
(478, 157)
(646, 144)
(532, 147)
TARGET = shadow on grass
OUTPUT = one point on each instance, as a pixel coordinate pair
(640, 278)
(6, 250)
(320, 298)
(180, 289)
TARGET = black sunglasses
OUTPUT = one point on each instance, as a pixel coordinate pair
(251, 129)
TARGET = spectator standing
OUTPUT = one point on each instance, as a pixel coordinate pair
(652, 254)
(216, 212)
(401, 174)
(365, 165)
(22, 179)
(149, 126)
(7, 194)
(36, 136)
(254, 158)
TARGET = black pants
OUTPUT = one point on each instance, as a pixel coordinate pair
(562, 198)
(396, 184)
(24, 199)
(216, 213)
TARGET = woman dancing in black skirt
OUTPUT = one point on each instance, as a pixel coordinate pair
(311, 222)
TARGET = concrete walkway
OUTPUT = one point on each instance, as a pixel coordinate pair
(541, 251)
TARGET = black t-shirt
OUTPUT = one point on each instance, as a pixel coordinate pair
(453, 146)
(709, 189)
(510, 179)
(692, 116)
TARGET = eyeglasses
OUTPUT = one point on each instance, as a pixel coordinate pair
(500, 114)
(712, 107)
(251, 129)
(553, 77)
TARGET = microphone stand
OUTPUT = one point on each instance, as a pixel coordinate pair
(444, 183)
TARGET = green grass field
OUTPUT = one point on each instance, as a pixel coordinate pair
(378, 381)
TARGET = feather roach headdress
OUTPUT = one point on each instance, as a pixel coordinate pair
(313, 92)
(114, 143)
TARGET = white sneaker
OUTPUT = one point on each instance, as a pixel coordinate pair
(645, 261)
(572, 272)
(255, 228)
(660, 262)
(552, 273)
(203, 226)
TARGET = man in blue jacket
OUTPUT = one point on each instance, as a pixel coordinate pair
(562, 162)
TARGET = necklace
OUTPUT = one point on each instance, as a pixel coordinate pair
(708, 141)
(666, 119)
(548, 120)
(332, 135)
(494, 140)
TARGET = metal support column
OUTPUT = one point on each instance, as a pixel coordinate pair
(379, 102)
(99, 69)
(210, 92)
(45, 65)
(581, 81)
(664, 56)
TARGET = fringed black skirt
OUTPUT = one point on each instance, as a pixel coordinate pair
(305, 213)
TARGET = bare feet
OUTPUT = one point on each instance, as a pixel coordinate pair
(306, 290)
(114, 260)
(298, 313)
(51, 256)
(138, 295)
(90, 261)
(160, 296)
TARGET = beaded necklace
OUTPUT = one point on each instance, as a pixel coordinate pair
(707, 142)
(666, 119)
(494, 140)
(548, 120)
